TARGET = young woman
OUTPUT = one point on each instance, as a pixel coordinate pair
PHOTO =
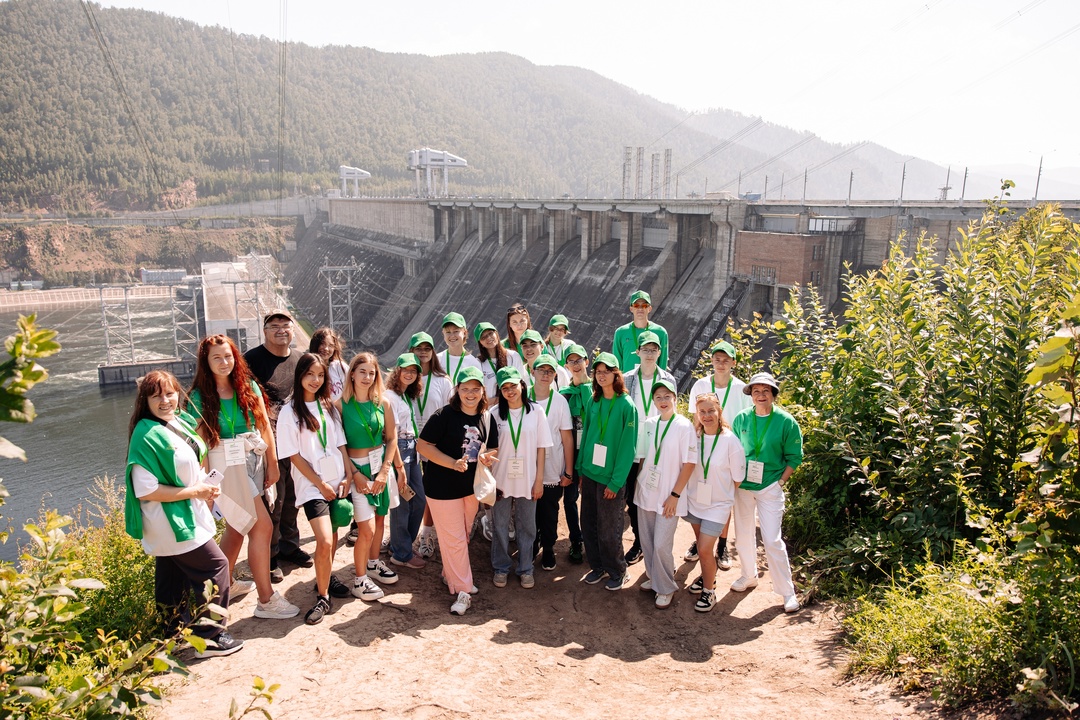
(519, 477)
(435, 393)
(531, 345)
(371, 438)
(310, 435)
(772, 441)
(710, 495)
(558, 329)
(670, 455)
(402, 392)
(166, 508)
(578, 394)
(608, 446)
(227, 405)
(492, 356)
(517, 322)
(451, 442)
(559, 458)
(456, 357)
(326, 343)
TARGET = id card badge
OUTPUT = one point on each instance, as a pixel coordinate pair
(375, 458)
(516, 469)
(703, 493)
(235, 452)
(577, 439)
(755, 471)
(652, 480)
(599, 455)
(328, 468)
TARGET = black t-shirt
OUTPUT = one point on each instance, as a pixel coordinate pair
(455, 434)
(274, 373)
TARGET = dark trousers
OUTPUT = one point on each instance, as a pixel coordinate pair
(286, 537)
(547, 515)
(631, 508)
(178, 576)
(602, 527)
(570, 509)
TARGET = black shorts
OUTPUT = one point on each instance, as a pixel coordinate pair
(316, 508)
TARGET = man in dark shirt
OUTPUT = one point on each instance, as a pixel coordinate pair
(274, 364)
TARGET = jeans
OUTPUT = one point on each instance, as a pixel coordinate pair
(657, 539)
(769, 503)
(602, 527)
(524, 510)
(547, 515)
(405, 518)
(286, 537)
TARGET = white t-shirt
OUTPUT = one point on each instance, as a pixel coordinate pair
(403, 416)
(643, 389)
(453, 364)
(736, 400)
(512, 360)
(558, 419)
(711, 498)
(158, 539)
(534, 435)
(337, 373)
(678, 447)
(437, 391)
(292, 439)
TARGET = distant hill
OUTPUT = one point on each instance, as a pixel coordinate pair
(206, 101)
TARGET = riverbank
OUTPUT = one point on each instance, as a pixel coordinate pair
(35, 299)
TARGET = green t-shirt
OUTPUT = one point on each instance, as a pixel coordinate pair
(624, 345)
(231, 420)
(775, 441)
(613, 424)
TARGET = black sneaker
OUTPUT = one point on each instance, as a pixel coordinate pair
(276, 575)
(224, 644)
(547, 562)
(576, 555)
(634, 554)
(723, 558)
(316, 614)
(339, 589)
(297, 557)
(691, 554)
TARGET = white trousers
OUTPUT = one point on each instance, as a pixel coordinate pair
(769, 504)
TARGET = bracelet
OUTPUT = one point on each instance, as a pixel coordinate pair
(675, 494)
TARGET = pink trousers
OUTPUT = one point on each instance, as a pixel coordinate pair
(453, 520)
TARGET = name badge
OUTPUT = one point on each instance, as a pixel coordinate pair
(652, 479)
(599, 455)
(375, 458)
(703, 493)
(577, 439)
(755, 471)
(516, 469)
(329, 468)
(235, 452)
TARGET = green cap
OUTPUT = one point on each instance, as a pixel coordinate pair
(530, 334)
(407, 360)
(454, 319)
(469, 373)
(507, 375)
(421, 337)
(576, 349)
(606, 358)
(648, 337)
(546, 359)
(724, 347)
(559, 320)
(663, 384)
(481, 329)
(640, 295)
(341, 512)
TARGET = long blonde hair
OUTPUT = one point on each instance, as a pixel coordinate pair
(375, 395)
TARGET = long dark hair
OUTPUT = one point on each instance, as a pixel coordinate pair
(322, 335)
(240, 378)
(512, 338)
(500, 351)
(153, 383)
(436, 366)
(617, 385)
(396, 384)
(322, 395)
(504, 406)
(455, 402)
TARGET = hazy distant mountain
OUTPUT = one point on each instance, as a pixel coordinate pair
(207, 105)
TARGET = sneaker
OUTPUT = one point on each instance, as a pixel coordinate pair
(352, 537)
(276, 608)
(338, 589)
(426, 547)
(576, 555)
(461, 604)
(791, 604)
(645, 586)
(384, 546)
(318, 611)
(697, 586)
(381, 572)
(723, 560)
(663, 600)
(472, 591)
(547, 561)
(485, 525)
(595, 575)
(276, 575)
(241, 587)
(415, 562)
(298, 558)
(634, 554)
(527, 581)
(744, 583)
(705, 601)
(499, 580)
(222, 645)
(365, 589)
(691, 554)
(616, 583)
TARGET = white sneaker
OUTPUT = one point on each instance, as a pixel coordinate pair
(743, 584)
(382, 572)
(365, 589)
(485, 525)
(464, 600)
(663, 600)
(645, 586)
(472, 591)
(791, 604)
(426, 547)
(276, 608)
(242, 587)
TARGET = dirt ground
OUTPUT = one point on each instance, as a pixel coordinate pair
(562, 649)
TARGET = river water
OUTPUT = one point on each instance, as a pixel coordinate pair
(81, 429)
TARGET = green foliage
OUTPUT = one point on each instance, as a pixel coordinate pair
(259, 692)
(18, 374)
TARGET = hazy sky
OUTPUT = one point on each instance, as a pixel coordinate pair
(960, 82)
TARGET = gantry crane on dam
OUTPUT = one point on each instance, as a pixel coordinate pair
(427, 160)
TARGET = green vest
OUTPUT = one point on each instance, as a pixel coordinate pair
(151, 448)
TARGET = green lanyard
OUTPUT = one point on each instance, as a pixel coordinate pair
(375, 437)
(423, 398)
(412, 415)
(646, 401)
(757, 440)
(701, 448)
(510, 423)
(532, 396)
(492, 364)
(604, 424)
(658, 440)
(461, 359)
(723, 405)
(231, 416)
(322, 425)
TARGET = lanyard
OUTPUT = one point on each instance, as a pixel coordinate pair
(322, 425)
(532, 396)
(510, 423)
(492, 364)
(658, 439)
(461, 359)
(412, 415)
(701, 448)
(376, 436)
(231, 416)
(757, 440)
(604, 424)
(723, 405)
(646, 402)
(423, 398)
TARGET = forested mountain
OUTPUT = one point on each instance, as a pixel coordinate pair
(206, 102)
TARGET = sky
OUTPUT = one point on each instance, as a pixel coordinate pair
(980, 83)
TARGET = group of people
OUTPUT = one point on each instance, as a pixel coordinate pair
(520, 429)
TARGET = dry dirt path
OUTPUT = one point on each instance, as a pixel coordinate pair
(563, 649)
